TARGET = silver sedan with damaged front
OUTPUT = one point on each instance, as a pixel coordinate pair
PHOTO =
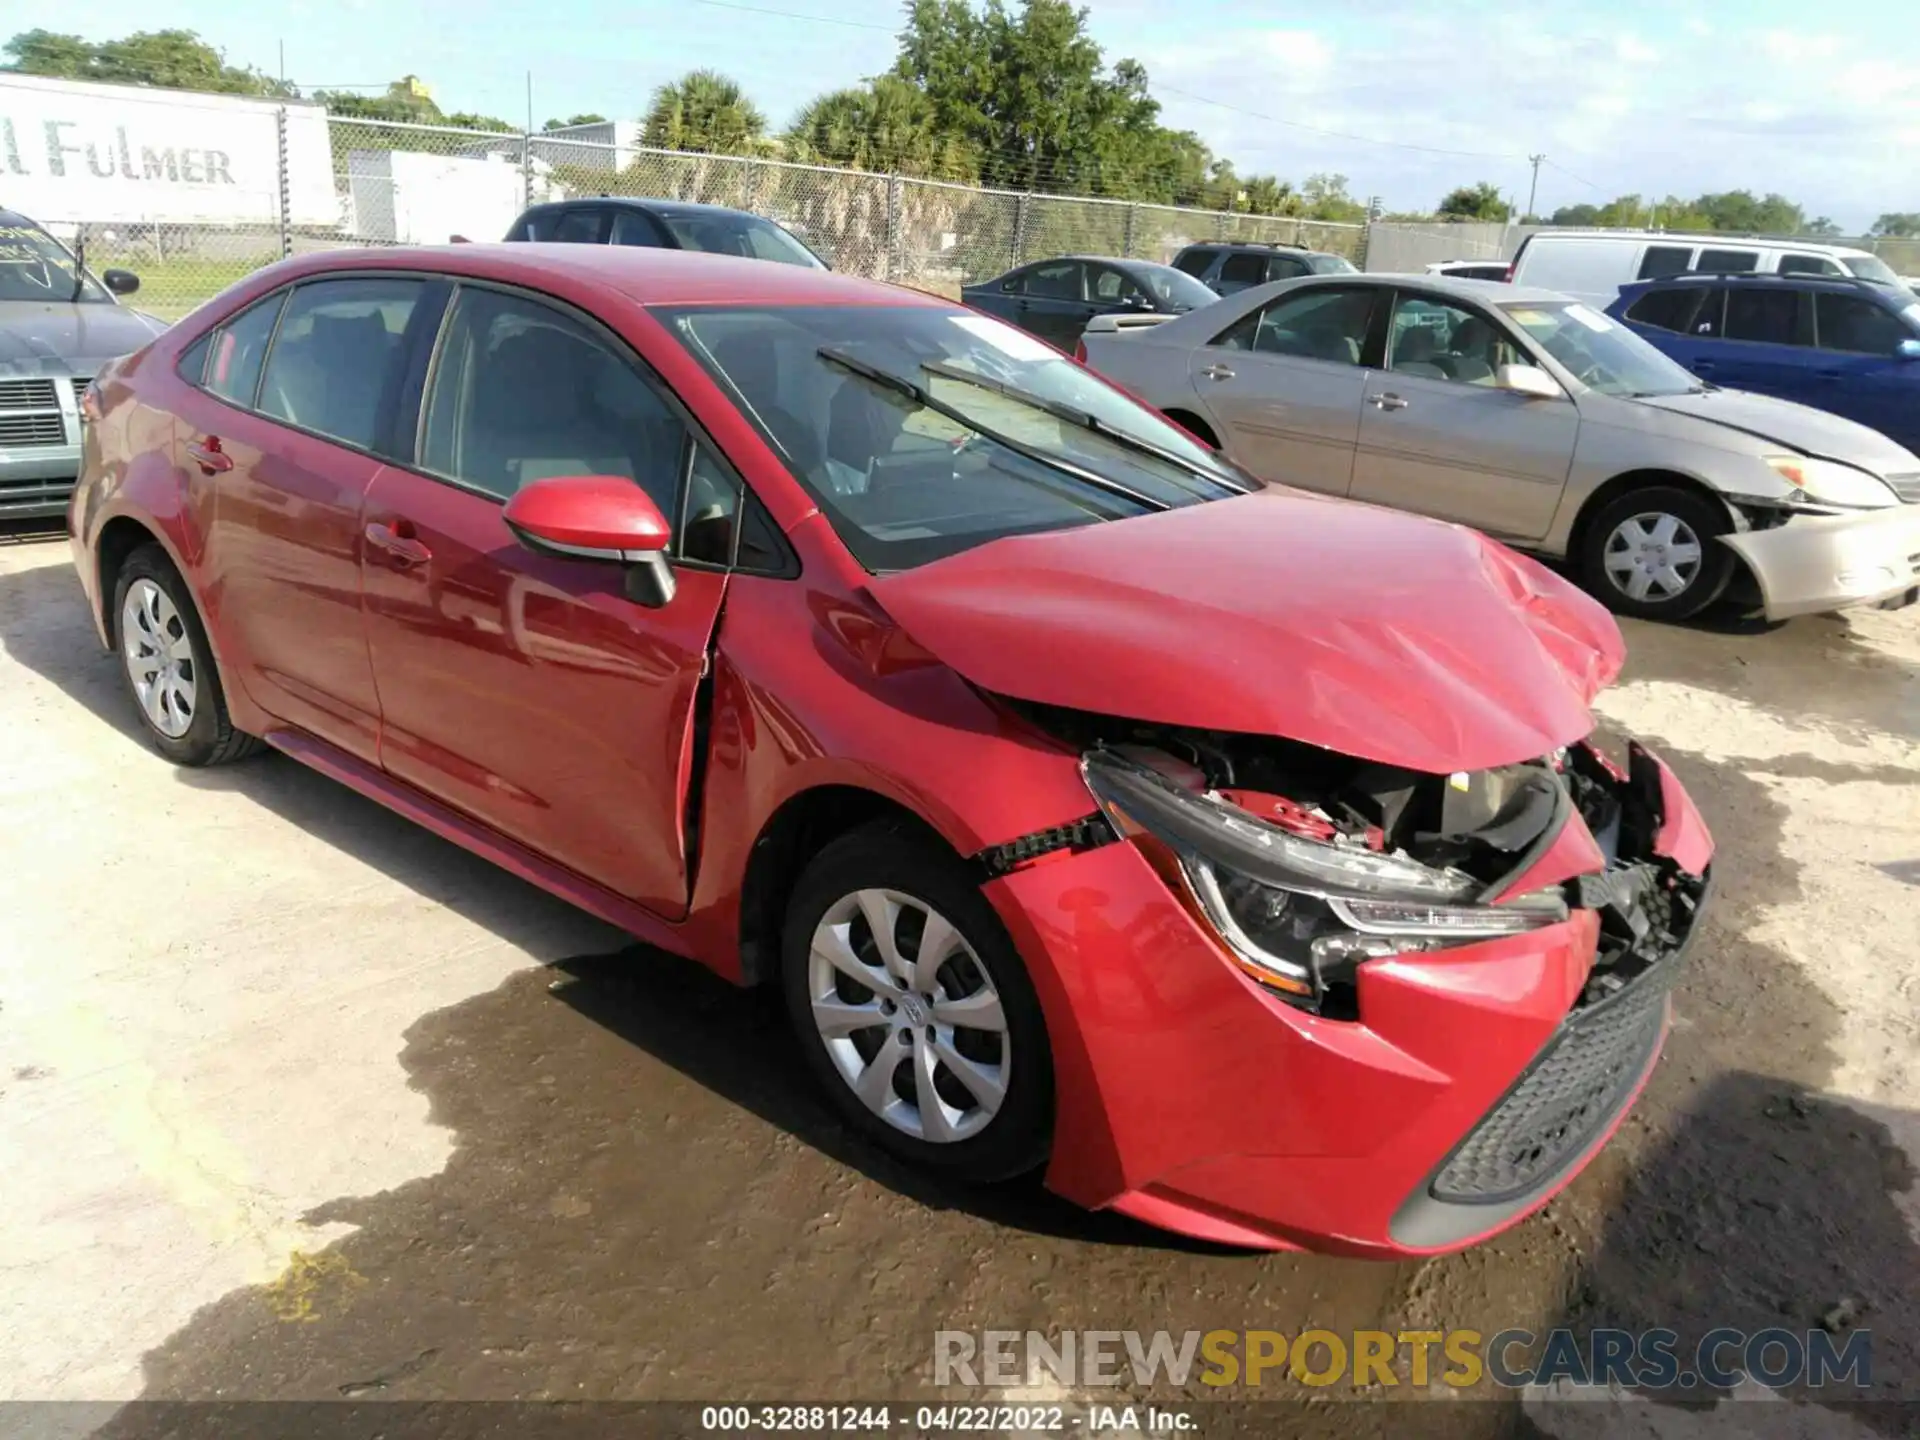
(1537, 419)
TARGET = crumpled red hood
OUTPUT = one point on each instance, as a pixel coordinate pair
(1370, 632)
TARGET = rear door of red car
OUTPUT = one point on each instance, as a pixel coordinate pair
(527, 690)
(286, 427)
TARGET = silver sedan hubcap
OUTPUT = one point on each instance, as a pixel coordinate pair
(159, 658)
(909, 1015)
(1653, 557)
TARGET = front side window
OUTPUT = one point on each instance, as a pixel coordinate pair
(1321, 324)
(1597, 352)
(234, 358)
(1720, 262)
(1174, 289)
(1447, 342)
(1340, 265)
(1285, 267)
(521, 392)
(1111, 287)
(1872, 267)
(1857, 326)
(971, 431)
(338, 356)
(1668, 308)
(1808, 265)
(34, 266)
(1764, 316)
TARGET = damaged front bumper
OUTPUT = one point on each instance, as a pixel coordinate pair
(1472, 1083)
(1816, 563)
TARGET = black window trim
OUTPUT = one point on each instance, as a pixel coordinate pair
(390, 430)
(692, 430)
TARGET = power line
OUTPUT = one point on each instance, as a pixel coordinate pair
(796, 15)
(1570, 175)
(1336, 134)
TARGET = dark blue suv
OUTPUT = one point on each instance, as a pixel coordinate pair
(1848, 346)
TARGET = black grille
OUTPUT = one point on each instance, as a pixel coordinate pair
(31, 430)
(28, 395)
(1567, 1097)
(80, 383)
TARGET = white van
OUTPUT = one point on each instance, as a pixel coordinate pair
(1592, 265)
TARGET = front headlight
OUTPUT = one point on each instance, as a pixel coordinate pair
(1832, 482)
(1292, 909)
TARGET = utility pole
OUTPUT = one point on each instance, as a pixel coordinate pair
(1533, 190)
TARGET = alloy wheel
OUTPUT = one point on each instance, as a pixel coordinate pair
(909, 1016)
(159, 658)
(1653, 556)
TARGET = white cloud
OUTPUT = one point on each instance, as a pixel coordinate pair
(1816, 117)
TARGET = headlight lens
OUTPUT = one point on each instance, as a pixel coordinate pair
(1831, 481)
(1289, 908)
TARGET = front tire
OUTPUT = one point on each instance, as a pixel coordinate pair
(1655, 553)
(914, 1009)
(168, 667)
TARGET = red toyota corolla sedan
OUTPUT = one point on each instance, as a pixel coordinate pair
(1236, 855)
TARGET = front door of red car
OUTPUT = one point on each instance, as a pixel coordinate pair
(527, 690)
(285, 449)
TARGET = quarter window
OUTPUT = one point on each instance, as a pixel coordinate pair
(1054, 282)
(1860, 327)
(338, 357)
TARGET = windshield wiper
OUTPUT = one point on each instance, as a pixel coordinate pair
(918, 394)
(1084, 420)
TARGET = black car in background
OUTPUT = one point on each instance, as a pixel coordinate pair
(1225, 266)
(1055, 299)
(664, 225)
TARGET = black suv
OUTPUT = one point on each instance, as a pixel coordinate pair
(664, 225)
(1225, 266)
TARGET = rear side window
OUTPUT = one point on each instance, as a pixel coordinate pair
(1860, 327)
(1242, 268)
(1719, 262)
(338, 356)
(568, 227)
(239, 347)
(630, 227)
(1764, 316)
(1194, 262)
(1663, 260)
(1666, 309)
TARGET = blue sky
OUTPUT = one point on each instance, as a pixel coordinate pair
(1634, 95)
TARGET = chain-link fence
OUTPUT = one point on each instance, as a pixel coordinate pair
(313, 181)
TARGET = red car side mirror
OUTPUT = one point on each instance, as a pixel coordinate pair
(598, 517)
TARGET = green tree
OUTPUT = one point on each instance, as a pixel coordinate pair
(1898, 224)
(169, 59)
(886, 125)
(706, 112)
(1475, 202)
(1326, 198)
(1575, 215)
(408, 101)
(588, 119)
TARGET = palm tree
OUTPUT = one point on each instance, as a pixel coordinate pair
(887, 125)
(704, 111)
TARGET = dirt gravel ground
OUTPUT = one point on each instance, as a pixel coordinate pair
(299, 1102)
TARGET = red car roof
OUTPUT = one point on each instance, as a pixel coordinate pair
(649, 276)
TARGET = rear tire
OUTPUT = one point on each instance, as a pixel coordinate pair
(1194, 426)
(1654, 552)
(167, 665)
(945, 1063)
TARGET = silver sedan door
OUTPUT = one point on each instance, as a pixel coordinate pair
(1284, 384)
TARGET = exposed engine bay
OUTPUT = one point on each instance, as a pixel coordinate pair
(1434, 856)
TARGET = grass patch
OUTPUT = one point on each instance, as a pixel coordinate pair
(171, 287)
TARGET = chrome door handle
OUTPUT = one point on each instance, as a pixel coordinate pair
(1387, 401)
(1217, 372)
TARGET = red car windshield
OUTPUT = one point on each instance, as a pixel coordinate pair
(923, 432)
